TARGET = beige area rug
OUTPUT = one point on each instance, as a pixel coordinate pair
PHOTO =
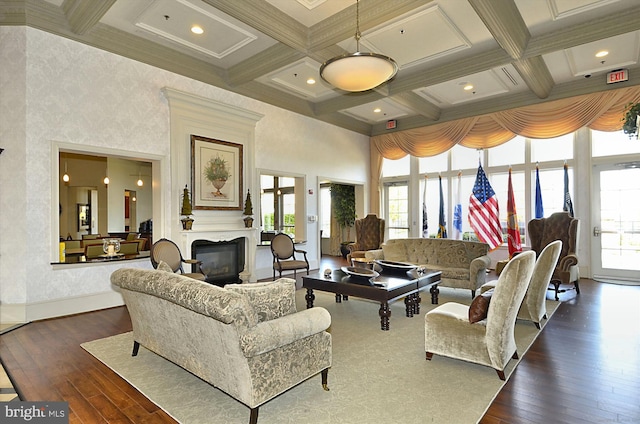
(376, 377)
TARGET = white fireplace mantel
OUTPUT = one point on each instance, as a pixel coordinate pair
(226, 234)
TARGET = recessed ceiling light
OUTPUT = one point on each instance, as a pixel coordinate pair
(197, 29)
(311, 81)
(602, 53)
(377, 110)
(468, 87)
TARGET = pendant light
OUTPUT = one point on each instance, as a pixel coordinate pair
(358, 71)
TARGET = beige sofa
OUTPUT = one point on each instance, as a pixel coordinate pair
(463, 263)
(245, 339)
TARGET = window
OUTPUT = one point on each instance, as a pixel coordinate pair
(393, 168)
(325, 212)
(612, 143)
(397, 209)
(278, 204)
(404, 218)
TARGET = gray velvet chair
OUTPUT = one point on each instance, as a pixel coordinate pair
(534, 306)
(491, 341)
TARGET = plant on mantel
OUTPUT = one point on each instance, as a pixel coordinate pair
(631, 119)
(185, 210)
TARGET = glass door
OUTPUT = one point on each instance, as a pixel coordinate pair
(616, 220)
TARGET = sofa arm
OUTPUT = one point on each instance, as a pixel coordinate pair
(270, 335)
(478, 269)
(567, 262)
(374, 254)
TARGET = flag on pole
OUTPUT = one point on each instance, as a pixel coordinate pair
(568, 205)
(425, 224)
(539, 207)
(513, 230)
(457, 211)
(484, 214)
(442, 224)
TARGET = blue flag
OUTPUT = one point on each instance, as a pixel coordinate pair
(442, 225)
(539, 207)
(457, 212)
(568, 205)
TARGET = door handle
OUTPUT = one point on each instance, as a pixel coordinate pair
(596, 232)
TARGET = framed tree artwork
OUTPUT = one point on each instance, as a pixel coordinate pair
(216, 174)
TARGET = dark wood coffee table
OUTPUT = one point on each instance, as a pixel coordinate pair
(386, 288)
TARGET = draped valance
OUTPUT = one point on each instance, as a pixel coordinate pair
(602, 111)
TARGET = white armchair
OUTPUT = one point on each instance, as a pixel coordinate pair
(490, 341)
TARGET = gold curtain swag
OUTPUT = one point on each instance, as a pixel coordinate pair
(602, 111)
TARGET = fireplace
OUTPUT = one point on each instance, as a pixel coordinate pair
(222, 261)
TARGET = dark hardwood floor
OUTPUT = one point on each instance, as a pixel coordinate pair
(583, 368)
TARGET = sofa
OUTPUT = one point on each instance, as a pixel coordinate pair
(463, 264)
(247, 340)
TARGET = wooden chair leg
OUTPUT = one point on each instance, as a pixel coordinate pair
(136, 346)
(429, 355)
(325, 377)
(577, 286)
(537, 324)
(515, 355)
(253, 418)
(501, 375)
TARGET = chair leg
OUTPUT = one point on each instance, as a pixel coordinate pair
(515, 355)
(473, 294)
(501, 375)
(253, 418)
(325, 376)
(537, 325)
(136, 346)
(577, 286)
(429, 355)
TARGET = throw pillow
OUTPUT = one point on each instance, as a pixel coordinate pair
(480, 306)
(163, 266)
(269, 300)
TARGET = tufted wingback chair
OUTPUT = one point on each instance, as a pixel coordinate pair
(369, 236)
(559, 226)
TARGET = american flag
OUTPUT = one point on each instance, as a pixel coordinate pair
(484, 215)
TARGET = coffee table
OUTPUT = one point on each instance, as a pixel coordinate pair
(386, 288)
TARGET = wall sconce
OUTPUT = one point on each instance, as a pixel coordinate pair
(65, 177)
(140, 183)
(106, 181)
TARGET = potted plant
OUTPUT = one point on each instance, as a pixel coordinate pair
(185, 210)
(631, 119)
(343, 203)
(248, 211)
(217, 173)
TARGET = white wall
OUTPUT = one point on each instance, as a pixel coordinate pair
(56, 91)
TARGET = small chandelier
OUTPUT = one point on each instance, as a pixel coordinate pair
(358, 71)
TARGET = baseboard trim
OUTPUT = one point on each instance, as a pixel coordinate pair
(59, 307)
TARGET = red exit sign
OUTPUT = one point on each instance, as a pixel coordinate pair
(618, 76)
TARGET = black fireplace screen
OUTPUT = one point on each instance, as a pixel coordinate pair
(222, 261)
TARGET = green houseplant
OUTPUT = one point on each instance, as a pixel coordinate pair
(343, 204)
(630, 119)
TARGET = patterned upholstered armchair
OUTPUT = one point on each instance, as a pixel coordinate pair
(369, 236)
(559, 226)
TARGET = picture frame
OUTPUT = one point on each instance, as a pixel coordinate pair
(216, 174)
(84, 216)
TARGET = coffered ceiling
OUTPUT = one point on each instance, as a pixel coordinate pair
(512, 52)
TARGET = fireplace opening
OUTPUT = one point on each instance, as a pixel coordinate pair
(222, 261)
